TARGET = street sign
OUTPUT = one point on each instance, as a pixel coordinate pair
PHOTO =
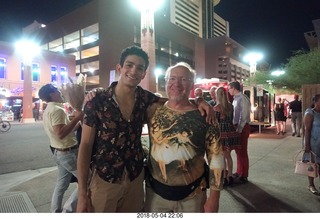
(259, 90)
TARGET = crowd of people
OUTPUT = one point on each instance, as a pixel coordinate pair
(191, 142)
(288, 110)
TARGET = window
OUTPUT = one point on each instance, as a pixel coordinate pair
(35, 72)
(53, 73)
(76, 54)
(90, 34)
(56, 45)
(90, 66)
(2, 68)
(63, 75)
(78, 69)
(94, 51)
(72, 40)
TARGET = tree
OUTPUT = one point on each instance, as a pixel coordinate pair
(302, 68)
(261, 77)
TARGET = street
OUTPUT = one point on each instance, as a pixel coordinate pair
(24, 147)
(272, 187)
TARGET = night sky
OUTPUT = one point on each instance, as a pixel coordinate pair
(273, 27)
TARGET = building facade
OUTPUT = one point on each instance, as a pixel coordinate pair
(47, 67)
(96, 33)
(313, 37)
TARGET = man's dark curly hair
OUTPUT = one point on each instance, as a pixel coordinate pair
(45, 91)
(236, 85)
(134, 50)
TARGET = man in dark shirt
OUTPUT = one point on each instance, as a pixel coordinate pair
(296, 115)
(110, 141)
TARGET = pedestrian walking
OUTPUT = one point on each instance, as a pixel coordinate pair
(280, 117)
(295, 111)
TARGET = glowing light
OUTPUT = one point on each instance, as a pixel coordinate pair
(158, 72)
(277, 73)
(28, 49)
(252, 58)
(146, 5)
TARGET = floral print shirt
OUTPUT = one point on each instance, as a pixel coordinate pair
(117, 143)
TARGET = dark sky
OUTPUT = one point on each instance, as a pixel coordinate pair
(273, 27)
(16, 14)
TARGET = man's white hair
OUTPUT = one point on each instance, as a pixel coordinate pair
(182, 64)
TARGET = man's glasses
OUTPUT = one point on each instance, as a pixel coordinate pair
(182, 80)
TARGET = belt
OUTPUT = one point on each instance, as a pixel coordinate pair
(66, 149)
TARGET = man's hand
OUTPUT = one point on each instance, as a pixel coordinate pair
(84, 204)
(206, 109)
(91, 94)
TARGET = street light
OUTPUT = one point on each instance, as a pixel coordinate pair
(28, 50)
(147, 9)
(252, 58)
(277, 73)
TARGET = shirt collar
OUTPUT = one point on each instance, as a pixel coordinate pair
(55, 104)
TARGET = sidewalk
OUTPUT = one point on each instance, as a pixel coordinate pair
(272, 186)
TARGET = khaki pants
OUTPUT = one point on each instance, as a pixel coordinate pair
(110, 197)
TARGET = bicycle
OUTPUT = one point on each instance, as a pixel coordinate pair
(4, 125)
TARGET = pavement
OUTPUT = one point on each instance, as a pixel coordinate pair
(272, 188)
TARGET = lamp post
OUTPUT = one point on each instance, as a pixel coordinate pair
(28, 50)
(158, 72)
(147, 9)
(252, 58)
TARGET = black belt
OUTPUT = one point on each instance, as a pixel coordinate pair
(176, 193)
(66, 149)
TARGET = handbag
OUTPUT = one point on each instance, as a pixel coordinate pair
(306, 167)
